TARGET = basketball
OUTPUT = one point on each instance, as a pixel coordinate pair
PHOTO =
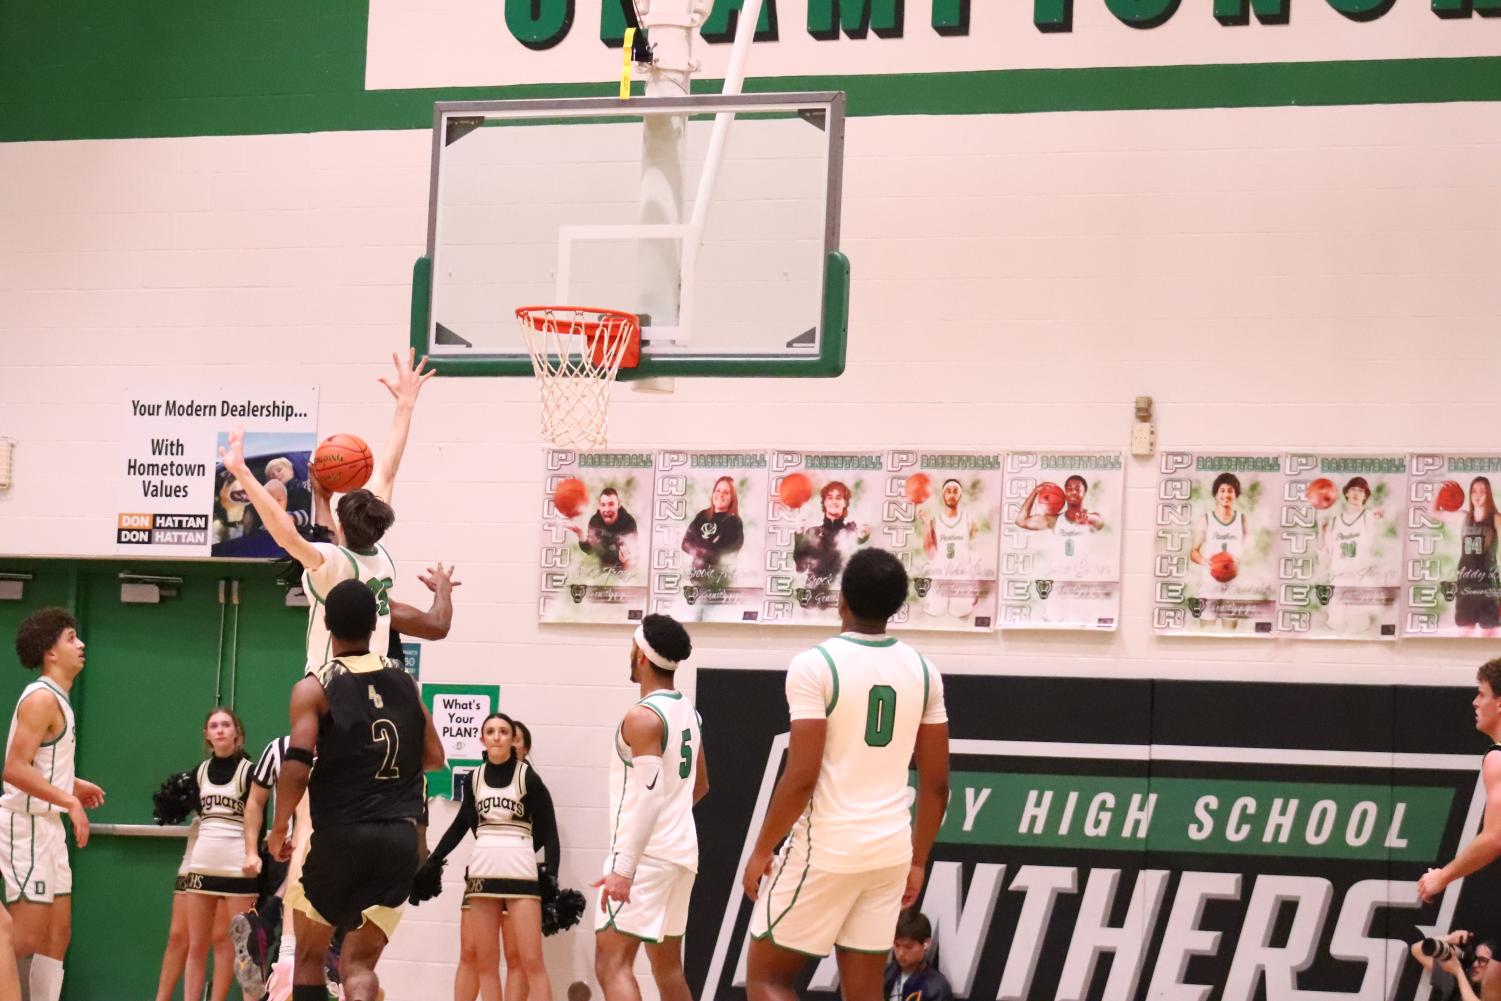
(342, 462)
(795, 490)
(570, 497)
(918, 488)
(1050, 496)
(1450, 497)
(1223, 568)
(1322, 493)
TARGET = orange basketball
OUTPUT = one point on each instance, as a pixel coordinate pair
(795, 490)
(342, 462)
(1223, 568)
(1450, 497)
(570, 497)
(918, 488)
(1050, 496)
(1322, 493)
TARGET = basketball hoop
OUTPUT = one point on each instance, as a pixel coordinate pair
(577, 351)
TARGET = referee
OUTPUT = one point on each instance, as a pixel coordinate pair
(363, 717)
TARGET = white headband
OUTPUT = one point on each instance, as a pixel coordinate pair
(652, 655)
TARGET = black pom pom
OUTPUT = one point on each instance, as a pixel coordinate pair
(561, 909)
(428, 882)
(175, 799)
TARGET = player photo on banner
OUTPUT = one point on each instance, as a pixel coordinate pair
(1453, 585)
(709, 536)
(1061, 540)
(940, 515)
(1214, 563)
(175, 497)
(1340, 568)
(596, 536)
(823, 507)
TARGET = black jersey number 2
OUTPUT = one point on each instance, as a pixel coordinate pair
(383, 731)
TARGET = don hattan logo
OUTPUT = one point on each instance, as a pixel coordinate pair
(1203, 877)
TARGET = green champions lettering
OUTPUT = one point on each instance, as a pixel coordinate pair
(720, 25)
(539, 24)
(951, 17)
(1237, 12)
(857, 18)
(1142, 13)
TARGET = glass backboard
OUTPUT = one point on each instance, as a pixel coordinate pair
(716, 219)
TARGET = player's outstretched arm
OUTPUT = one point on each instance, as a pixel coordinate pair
(280, 524)
(1483, 849)
(404, 387)
(794, 790)
(932, 754)
(434, 623)
(35, 713)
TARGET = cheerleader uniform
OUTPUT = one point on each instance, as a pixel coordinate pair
(216, 864)
(510, 812)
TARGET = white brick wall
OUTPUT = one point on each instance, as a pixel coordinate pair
(1282, 277)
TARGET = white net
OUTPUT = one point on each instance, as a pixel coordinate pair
(576, 354)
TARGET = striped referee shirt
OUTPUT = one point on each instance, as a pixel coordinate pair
(268, 765)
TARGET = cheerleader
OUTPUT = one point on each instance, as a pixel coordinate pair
(510, 812)
(218, 884)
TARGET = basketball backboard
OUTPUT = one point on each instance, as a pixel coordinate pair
(731, 259)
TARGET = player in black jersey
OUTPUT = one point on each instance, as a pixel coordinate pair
(364, 718)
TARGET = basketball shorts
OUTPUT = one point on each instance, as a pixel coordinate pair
(359, 872)
(34, 857)
(811, 910)
(658, 908)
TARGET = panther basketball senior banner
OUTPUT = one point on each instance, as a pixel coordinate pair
(1215, 548)
(1452, 582)
(1061, 541)
(596, 536)
(823, 507)
(176, 500)
(940, 515)
(1340, 569)
(709, 536)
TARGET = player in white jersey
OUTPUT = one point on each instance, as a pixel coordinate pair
(40, 787)
(862, 706)
(1220, 535)
(946, 544)
(657, 774)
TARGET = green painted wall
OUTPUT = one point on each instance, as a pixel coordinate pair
(153, 673)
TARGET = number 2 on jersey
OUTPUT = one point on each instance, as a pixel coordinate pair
(383, 731)
(880, 715)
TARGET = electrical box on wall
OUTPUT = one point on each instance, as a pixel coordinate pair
(1143, 432)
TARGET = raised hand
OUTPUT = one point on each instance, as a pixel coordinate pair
(409, 378)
